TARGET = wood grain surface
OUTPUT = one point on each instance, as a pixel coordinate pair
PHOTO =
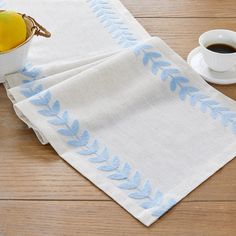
(42, 195)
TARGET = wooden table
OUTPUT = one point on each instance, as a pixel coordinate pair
(42, 195)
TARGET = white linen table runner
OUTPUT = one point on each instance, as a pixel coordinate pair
(142, 126)
(139, 123)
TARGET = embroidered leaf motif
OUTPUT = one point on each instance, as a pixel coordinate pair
(197, 97)
(80, 142)
(97, 8)
(164, 208)
(123, 174)
(100, 157)
(56, 107)
(47, 96)
(150, 56)
(217, 110)
(27, 93)
(207, 103)
(38, 89)
(177, 81)
(113, 28)
(74, 143)
(129, 44)
(70, 131)
(166, 73)
(107, 24)
(143, 193)
(60, 120)
(75, 127)
(115, 163)
(28, 71)
(84, 138)
(103, 12)
(227, 117)
(91, 149)
(37, 102)
(126, 39)
(46, 112)
(158, 65)
(28, 85)
(120, 34)
(184, 91)
(133, 183)
(113, 23)
(65, 132)
(155, 201)
(42, 100)
(138, 49)
(104, 18)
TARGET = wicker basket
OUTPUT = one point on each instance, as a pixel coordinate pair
(12, 60)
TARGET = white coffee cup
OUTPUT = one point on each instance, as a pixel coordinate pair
(215, 60)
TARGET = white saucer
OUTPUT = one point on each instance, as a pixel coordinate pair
(196, 61)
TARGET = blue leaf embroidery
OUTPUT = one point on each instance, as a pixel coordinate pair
(166, 73)
(27, 93)
(30, 72)
(148, 56)
(123, 174)
(91, 149)
(46, 112)
(177, 80)
(113, 23)
(84, 138)
(218, 110)
(75, 127)
(207, 104)
(197, 97)
(157, 65)
(42, 100)
(153, 202)
(115, 163)
(133, 183)
(100, 157)
(65, 132)
(81, 141)
(60, 120)
(184, 91)
(143, 193)
(138, 49)
(56, 107)
(164, 208)
(38, 89)
(227, 117)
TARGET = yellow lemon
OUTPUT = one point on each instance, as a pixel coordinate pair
(13, 30)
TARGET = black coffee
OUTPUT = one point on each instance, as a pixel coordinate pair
(221, 48)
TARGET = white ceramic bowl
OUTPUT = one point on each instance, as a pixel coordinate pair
(14, 59)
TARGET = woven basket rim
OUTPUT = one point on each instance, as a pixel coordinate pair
(27, 19)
